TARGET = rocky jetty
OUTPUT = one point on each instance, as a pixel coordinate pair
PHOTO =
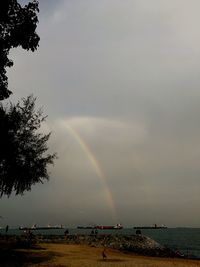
(133, 243)
(137, 243)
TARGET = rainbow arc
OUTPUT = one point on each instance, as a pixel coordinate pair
(96, 166)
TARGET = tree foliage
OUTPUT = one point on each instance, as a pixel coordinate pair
(23, 150)
(23, 157)
(17, 28)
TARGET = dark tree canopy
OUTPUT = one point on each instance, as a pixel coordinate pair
(23, 150)
(23, 157)
(17, 28)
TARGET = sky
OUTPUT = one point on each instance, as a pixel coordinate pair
(120, 83)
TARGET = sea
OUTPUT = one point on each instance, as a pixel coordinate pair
(184, 240)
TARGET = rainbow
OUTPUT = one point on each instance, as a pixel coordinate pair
(95, 164)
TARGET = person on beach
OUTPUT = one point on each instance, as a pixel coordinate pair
(7, 227)
(138, 232)
(92, 232)
(66, 232)
(104, 254)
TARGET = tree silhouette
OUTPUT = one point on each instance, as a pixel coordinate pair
(23, 150)
(22, 156)
(17, 28)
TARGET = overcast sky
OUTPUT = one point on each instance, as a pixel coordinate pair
(120, 82)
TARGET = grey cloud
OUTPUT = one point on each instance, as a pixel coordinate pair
(126, 75)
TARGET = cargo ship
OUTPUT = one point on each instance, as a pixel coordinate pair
(86, 227)
(102, 227)
(155, 226)
(109, 227)
(35, 227)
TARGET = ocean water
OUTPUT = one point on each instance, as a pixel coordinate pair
(185, 240)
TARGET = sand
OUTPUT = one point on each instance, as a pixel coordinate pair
(65, 255)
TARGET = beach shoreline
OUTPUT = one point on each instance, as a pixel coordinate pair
(76, 255)
(86, 250)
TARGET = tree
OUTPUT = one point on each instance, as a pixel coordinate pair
(17, 28)
(23, 150)
(23, 158)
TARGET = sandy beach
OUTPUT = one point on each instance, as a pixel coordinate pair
(67, 255)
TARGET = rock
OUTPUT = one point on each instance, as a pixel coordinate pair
(133, 243)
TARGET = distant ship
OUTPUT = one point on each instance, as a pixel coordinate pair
(102, 227)
(155, 226)
(109, 227)
(35, 227)
(86, 227)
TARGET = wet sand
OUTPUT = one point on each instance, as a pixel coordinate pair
(65, 255)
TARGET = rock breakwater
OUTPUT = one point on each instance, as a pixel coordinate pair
(139, 244)
(133, 243)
